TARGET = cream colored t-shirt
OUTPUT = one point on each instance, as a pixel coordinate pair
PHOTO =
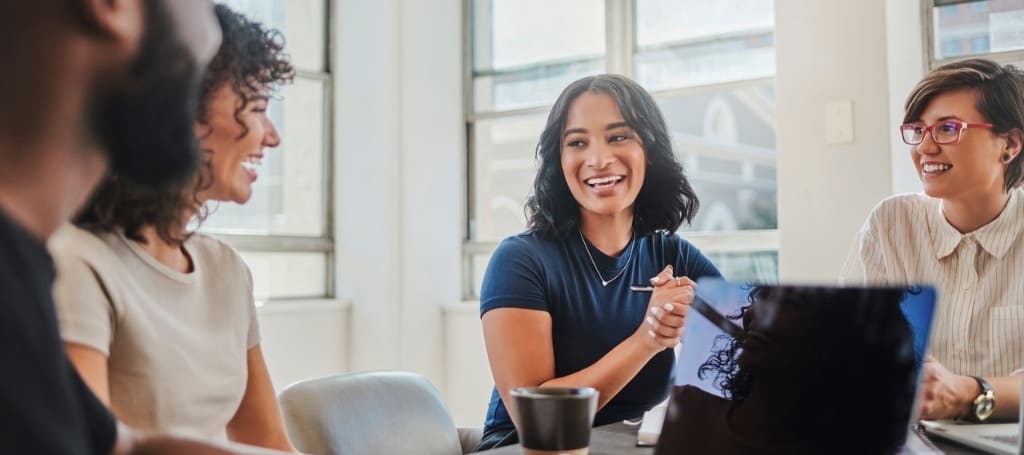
(176, 343)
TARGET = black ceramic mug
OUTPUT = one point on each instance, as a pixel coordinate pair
(555, 420)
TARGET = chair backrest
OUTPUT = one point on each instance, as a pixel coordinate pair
(378, 412)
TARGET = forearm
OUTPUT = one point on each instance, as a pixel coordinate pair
(1007, 392)
(268, 434)
(134, 442)
(612, 372)
(258, 418)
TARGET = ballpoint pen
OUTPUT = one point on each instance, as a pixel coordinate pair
(707, 311)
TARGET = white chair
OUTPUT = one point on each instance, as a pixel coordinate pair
(382, 412)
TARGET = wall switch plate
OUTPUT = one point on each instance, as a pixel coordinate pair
(839, 122)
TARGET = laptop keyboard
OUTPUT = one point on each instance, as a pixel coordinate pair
(1009, 439)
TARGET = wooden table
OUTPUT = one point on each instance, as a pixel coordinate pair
(620, 439)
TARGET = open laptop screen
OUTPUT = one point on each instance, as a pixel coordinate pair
(813, 370)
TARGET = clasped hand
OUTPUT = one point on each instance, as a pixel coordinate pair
(945, 395)
(666, 312)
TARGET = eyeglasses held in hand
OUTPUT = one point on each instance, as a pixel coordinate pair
(943, 132)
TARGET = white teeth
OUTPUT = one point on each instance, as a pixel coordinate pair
(603, 180)
(251, 163)
(935, 167)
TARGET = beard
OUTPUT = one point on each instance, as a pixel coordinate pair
(146, 125)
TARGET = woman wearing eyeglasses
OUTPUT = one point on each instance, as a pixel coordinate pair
(560, 303)
(964, 123)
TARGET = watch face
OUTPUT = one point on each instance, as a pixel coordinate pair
(983, 406)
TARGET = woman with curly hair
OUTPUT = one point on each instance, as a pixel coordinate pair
(160, 321)
(557, 303)
(818, 370)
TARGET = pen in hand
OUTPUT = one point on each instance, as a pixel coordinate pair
(705, 310)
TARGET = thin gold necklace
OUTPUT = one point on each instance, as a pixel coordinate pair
(605, 282)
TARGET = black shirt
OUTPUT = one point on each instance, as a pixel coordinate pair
(45, 408)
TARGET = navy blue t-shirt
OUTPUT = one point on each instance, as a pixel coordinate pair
(588, 319)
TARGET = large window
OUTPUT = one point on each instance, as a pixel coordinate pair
(969, 28)
(710, 66)
(283, 232)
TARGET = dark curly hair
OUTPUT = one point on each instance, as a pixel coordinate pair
(666, 198)
(251, 59)
(858, 376)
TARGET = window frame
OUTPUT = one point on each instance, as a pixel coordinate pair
(324, 243)
(927, 29)
(620, 48)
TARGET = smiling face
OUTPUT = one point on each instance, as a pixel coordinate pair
(602, 158)
(234, 147)
(962, 171)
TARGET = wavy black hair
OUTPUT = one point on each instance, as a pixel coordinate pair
(666, 198)
(251, 59)
(856, 384)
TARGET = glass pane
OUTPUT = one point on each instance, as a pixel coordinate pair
(761, 266)
(726, 142)
(478, 267)
(516, 33)
(526, 51)
(287, 275)
(535, 86)
(686, 43)
(301, 21)
(503, 170)
(288, 197)
(978, 28)
(668, 21)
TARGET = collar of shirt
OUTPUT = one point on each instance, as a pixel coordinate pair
(994, 237)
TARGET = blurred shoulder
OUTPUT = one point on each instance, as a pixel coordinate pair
(73, 244)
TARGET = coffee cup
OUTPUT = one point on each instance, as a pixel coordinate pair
(555, 420)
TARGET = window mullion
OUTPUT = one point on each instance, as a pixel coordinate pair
(618, 20)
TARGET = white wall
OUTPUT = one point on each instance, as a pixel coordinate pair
(400, 178)
(828, 51)
(906, 64)
(304, 339)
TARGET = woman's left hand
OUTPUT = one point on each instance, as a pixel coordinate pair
(946, 395)
(667, 320)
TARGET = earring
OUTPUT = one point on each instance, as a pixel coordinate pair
(1006, 157)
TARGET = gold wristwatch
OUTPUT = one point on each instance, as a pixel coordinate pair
(984, 404)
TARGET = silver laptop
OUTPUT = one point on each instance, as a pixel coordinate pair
(1001, 438)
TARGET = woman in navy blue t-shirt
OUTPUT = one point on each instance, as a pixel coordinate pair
(556, 303)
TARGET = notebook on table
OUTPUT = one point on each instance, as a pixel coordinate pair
(750, 331)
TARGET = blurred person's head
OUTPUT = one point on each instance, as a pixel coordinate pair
(843, 358)
(119, 77)
(232, 127)
(969, 158)
(604, 151)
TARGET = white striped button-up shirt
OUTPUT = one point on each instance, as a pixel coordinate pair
(979, 276)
